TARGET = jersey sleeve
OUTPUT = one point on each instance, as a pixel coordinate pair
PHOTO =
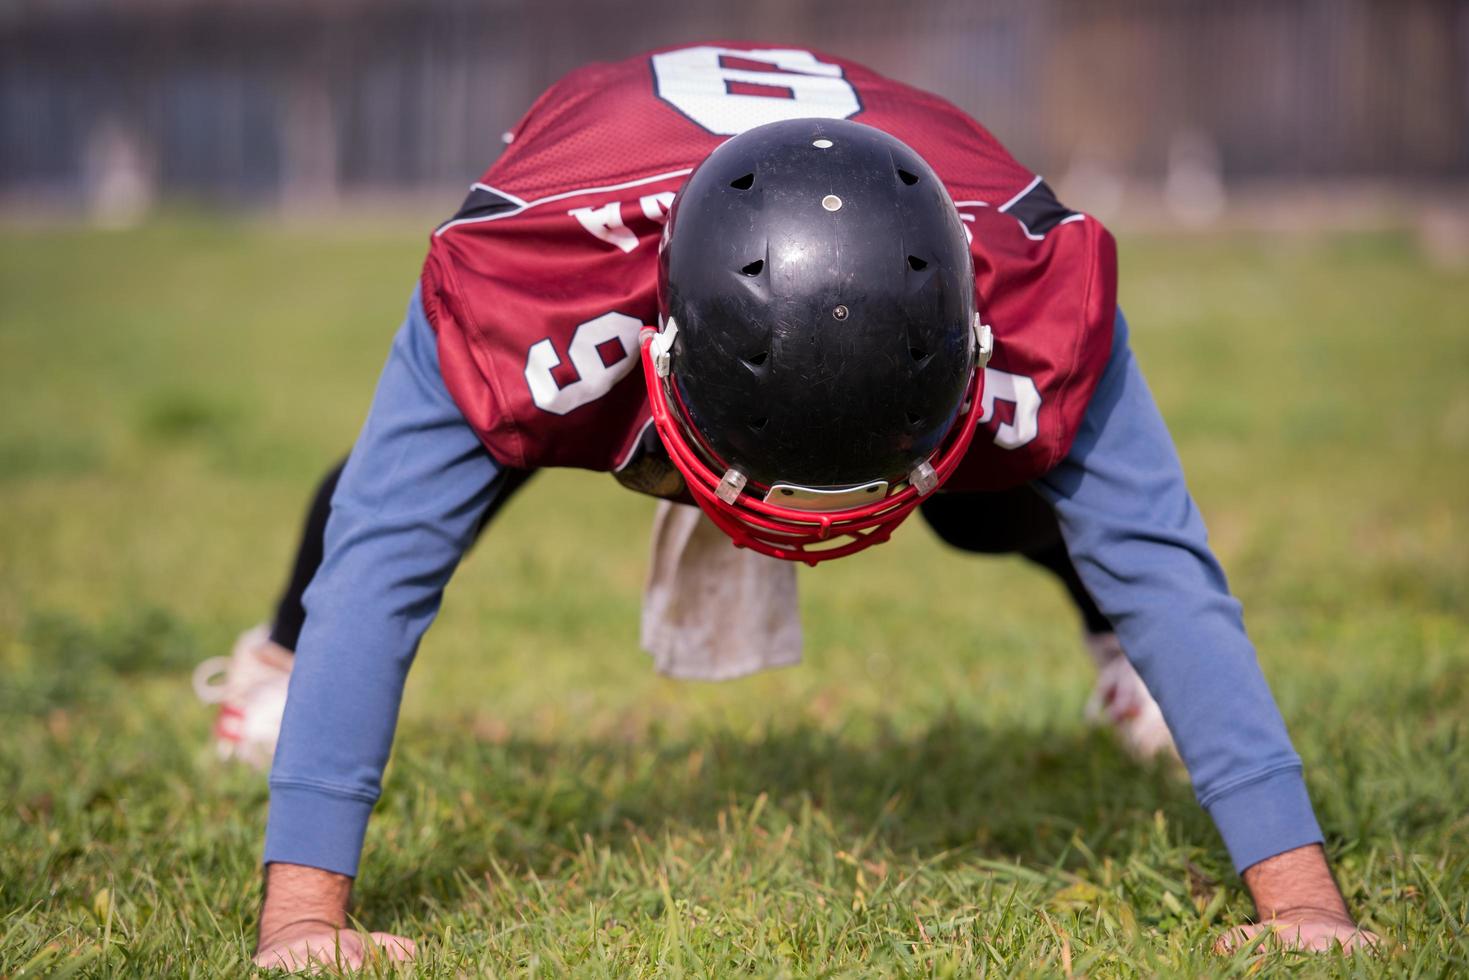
(538, 287)
(1047, 284)
(537, 316)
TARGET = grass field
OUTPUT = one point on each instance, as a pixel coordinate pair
(921, 797)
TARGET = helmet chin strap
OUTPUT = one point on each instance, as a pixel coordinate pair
(802, 533)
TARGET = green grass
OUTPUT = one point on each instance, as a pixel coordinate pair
(920, 797)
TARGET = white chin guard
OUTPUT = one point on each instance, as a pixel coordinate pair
(818, 499)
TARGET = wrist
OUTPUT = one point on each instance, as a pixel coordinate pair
(301, 899)
(1296, 884)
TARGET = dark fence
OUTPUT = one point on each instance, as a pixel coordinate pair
(268, 100)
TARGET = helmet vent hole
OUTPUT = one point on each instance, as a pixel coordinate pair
(753, 269)
(906, 177)
(755, 360)
(743, 183)
(759, 423)
(918, 354)
(916, 264)
(914, 418)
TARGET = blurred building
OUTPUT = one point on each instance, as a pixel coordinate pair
(110, 105)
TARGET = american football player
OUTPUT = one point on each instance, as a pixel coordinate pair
(809, 300)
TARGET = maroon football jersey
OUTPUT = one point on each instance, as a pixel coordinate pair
(538, 287)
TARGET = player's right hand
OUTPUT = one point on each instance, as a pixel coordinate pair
(308, 947)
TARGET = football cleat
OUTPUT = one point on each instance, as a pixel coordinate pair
(250, 688)
(1122, 700)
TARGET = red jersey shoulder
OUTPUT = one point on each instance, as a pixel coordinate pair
(538, 286)
(665, 111)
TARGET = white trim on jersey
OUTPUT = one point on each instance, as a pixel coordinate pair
(1016, 199)
(523, 206)
(632, 447)
(1025, 229)
(518, 202)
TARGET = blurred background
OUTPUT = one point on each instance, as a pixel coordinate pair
(212, 213)
(1177, 111)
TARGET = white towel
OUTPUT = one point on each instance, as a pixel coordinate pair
(712, 611)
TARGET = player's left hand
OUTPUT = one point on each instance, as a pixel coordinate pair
(1308, 930)
(314, 948)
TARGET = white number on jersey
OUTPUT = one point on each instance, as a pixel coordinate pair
(594, 377)
(1021, 392)
(698, 83)
(605, 221)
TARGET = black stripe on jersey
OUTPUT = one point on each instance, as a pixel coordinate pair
(1038, 210)
(483, 203)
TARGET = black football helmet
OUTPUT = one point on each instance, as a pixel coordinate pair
(819, 354)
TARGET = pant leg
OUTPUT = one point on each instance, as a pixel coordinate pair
(290, 613)
(1017, 521)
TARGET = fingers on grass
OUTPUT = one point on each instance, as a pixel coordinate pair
(1296, 936)
(341, 950)
(396, 948)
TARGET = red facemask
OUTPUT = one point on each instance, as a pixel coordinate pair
(785, 532)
